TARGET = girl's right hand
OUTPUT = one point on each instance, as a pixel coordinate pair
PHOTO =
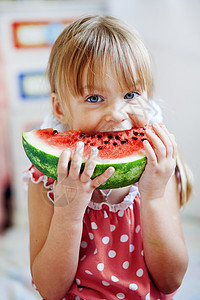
(73, 190)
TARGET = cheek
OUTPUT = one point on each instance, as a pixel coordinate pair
(83, 120)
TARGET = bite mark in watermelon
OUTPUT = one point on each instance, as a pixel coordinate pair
(123, 150)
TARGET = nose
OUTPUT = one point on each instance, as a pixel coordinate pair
(116, 112)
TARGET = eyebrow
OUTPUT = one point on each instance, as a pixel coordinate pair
(96, 88)
(91, 88)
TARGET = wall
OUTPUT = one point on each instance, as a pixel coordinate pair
(26, 34)
(171, 29)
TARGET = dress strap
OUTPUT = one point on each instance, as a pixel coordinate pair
(106, 195)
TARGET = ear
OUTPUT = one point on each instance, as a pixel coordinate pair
(57, 109)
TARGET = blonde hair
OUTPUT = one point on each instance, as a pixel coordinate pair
(185, 179)
(93, 42)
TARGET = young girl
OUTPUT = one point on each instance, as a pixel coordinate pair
(125, 243)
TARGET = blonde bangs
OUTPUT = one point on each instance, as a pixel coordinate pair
(95, 43)
(130, 67)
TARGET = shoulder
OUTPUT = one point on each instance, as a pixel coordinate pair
(38, 193)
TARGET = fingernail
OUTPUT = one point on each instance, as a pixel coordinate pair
(111, 170)
(67, 150)
(80, 144)
(94, 150)
(145, 142)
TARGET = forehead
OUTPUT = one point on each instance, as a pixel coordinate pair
(101, 75)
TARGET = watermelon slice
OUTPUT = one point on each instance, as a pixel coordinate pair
(121, 149)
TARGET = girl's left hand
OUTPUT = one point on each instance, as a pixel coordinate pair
(161, 162)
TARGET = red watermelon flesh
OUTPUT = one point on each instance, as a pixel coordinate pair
(123, 150)
(110, 145)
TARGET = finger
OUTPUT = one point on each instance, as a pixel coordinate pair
(158, 146)
(97, 181)
(76, 161)
(89, 166)
(151, 156)
(173, 142)
(62, 168)
(175, 147)
(164, 135)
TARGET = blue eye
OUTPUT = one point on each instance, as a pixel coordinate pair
(94, 99)
(132, 95)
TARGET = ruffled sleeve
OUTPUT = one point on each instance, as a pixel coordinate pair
(36, 176)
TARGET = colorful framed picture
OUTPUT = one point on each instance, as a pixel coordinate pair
(37, 34)
(33, 85)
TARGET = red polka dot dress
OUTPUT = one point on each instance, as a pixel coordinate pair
(111, 263)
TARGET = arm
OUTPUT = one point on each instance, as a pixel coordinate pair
(54, 245)
(164, 247)
(55, 231)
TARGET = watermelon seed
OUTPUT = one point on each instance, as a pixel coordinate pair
(135, 133)
(115, 144)
(106, 142)
(90, 135)
(143, 140)
(100, 147)
(55, 132)
(125, 141)
(117, 138)
(134, 138)
(82, 135)
(99, 136)
(110, 136)
(142, 133)
(92, 144)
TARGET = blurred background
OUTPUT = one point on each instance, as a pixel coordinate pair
(171, 30)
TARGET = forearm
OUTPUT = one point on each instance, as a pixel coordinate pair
(54, 268)
(164, 247)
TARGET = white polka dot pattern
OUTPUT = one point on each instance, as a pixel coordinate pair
(91, 235)
(139, 272)
(120, 296)
(105, 283)
(94, 225)
(125, 265)
(83, 244)
(124, 238)
(112, 227)
(88, 272)
(112, 258)
(105, 240)
(100, 266)
(111, 253)
(133, 287)
(137, 229)
(114, 278)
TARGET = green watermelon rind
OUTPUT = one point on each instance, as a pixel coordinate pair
(125, 173)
